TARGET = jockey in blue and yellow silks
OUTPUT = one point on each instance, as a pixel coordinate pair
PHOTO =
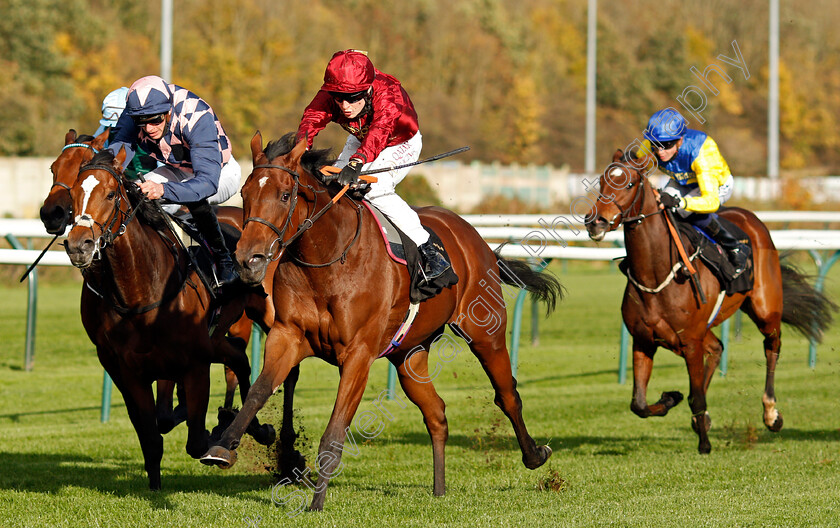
(700, 178)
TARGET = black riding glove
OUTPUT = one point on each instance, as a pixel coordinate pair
(350, 173)
(669, 201)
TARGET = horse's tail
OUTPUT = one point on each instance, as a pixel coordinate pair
(543, 285)
(807, 310)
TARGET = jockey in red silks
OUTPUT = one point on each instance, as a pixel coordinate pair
(700, 178)
(180, 130)
(376, 111)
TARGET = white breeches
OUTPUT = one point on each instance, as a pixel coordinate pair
(382, 193)
(228, 182)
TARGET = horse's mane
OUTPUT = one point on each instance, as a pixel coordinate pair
(312, 160)
(84, 138)
(147, 212)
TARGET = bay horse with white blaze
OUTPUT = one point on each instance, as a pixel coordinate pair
(57, 211)
(347, 312)
(144, 308)
(670, 316)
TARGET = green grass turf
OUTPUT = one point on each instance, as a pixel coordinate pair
(59, 466)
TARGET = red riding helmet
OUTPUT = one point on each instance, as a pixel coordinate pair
(349, 71)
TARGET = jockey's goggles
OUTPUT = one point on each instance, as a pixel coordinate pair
(348, 97)
(155, 119)
(665, 145)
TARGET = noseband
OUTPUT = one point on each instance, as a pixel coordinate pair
(305, 225)
(108, 235)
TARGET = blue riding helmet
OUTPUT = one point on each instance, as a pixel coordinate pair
(149, 95)
(666, 125)
(112, 107)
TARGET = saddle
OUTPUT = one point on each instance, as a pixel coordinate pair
(715, 257)
(404, 251)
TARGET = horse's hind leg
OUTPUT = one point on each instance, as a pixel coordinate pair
(642, 367)
(413, 371)
(769, 323)
(290, 459)
(492, 353)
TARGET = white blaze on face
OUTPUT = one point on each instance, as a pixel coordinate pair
(615, 173)
(88, 186)
(263, 180)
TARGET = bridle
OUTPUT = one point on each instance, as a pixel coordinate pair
(73, 145)
(108, 235)
(304, 225)
(636, 202)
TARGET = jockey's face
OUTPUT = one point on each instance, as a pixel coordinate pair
(351, 110)
(156, 128)
(667, 152)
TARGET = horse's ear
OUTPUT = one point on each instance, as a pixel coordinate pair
(100, 140)
(298, 151)
(119, 159)
(256, 146)
(618, 155)
(70, 137)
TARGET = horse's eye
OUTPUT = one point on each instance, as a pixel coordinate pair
(285, 197)
(630, 185)
(111, 195)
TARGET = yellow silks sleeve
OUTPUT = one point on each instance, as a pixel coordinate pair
(712, 171)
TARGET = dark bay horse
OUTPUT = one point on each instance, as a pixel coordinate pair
(673, 318)
(57, 211)
(345, 311)
(144, 308)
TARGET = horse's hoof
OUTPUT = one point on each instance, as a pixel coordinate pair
(776, 426)
(543, 453)
(704, 448)
(219, 456)
(670, 399)
(263, 434)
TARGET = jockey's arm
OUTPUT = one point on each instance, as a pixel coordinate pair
(711, 171)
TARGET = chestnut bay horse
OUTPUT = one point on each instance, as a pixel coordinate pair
(346, 311)
(57, 210)
(669, 315)
(144, 308)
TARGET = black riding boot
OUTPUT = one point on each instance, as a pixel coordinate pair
(434, 263)
(737, 251)
(207, 223)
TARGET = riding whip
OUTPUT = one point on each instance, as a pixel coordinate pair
(433, 158)
(37, 260)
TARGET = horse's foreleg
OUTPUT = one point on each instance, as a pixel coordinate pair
(166, 420)
(351, 387)
(197, 388)
(140, 404)
(413, 371)
(642, 367)
(283, 351)
(712, 350)
(700, 421)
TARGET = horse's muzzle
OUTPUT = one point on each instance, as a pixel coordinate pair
(598, 229)
(80, 250)
(252, 269)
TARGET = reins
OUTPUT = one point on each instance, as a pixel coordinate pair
(669, 221)
(85, 220)
(307, 222)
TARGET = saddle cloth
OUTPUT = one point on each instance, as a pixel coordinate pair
(404, 251)
(715, 257)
